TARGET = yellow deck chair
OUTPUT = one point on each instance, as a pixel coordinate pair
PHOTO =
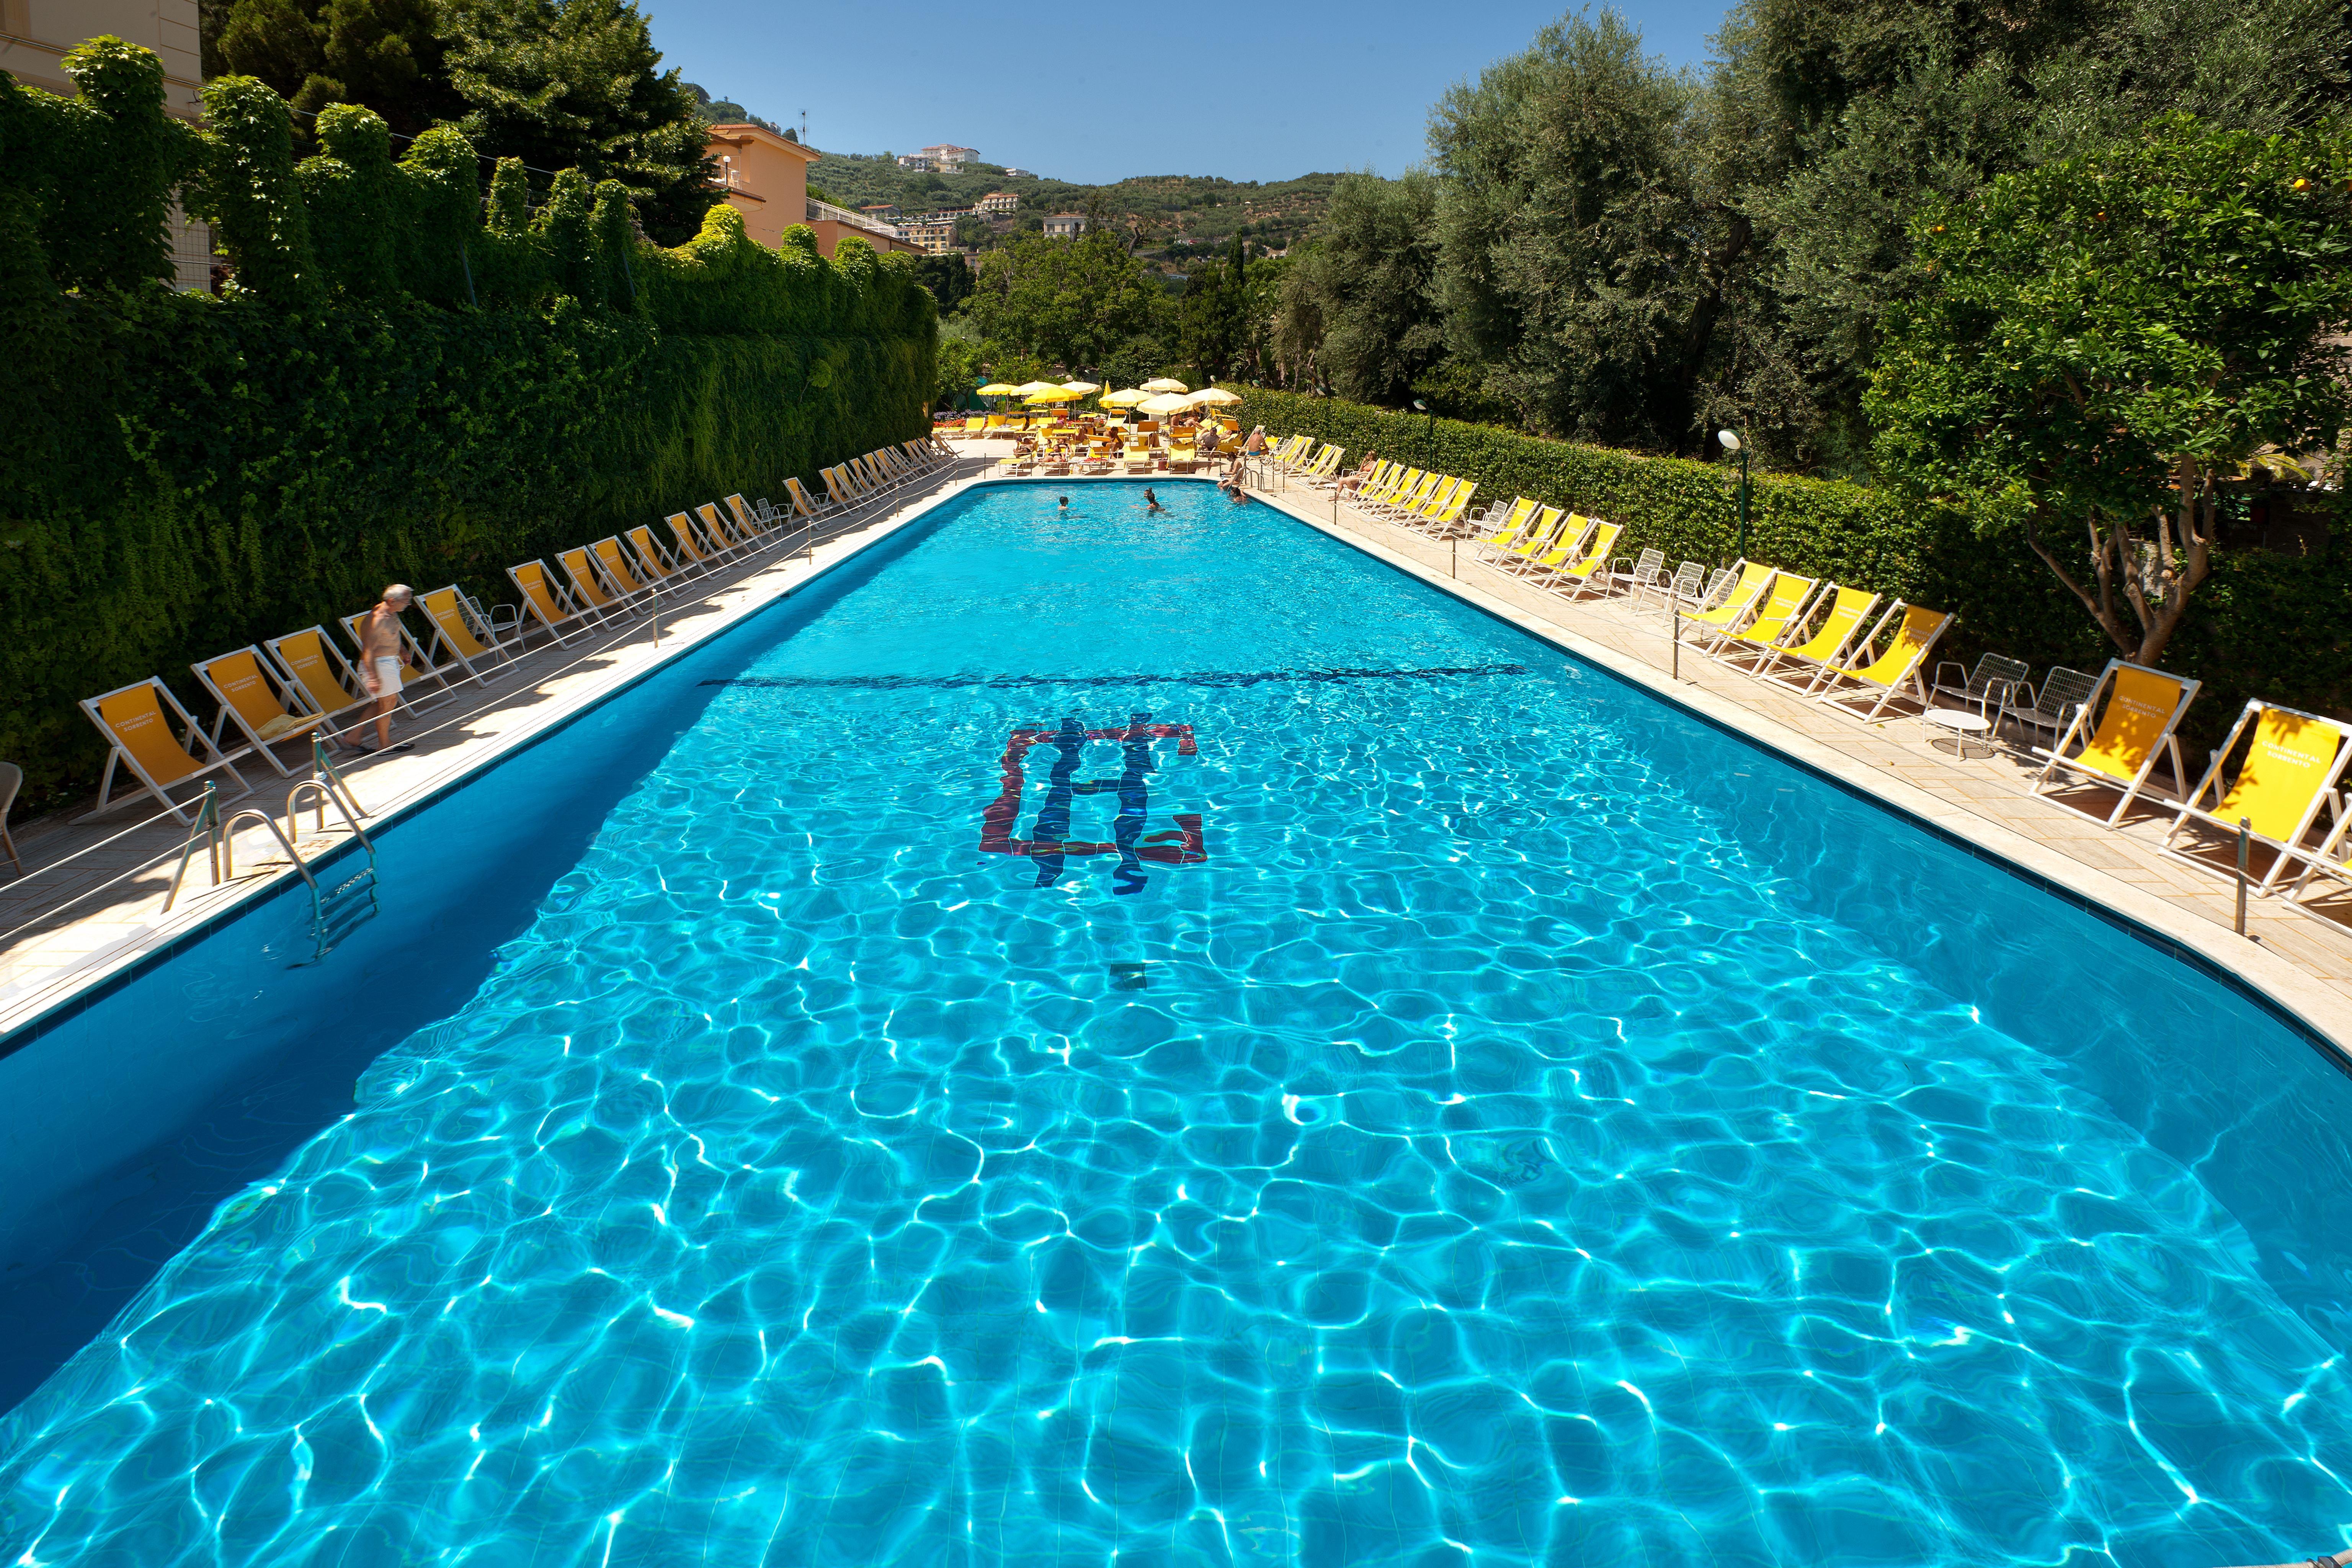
(653, 564)
(869, 468)
(807, 505)
(420, 662)
(1848, 609)
(458, 628)
(615, 567)
(1444, 519)
(548, 601)
(1555, 536)
(837, 485)
(1877, 678)
(1589, 571)
(1783, 608)
(1373, 484)
(1418, 515)
(137, 723)
(260, 700)
(748, 523)
(327, 681)
(1522, 511)
(1421, 491)
(2143, 707)
(589, 584)
(2289, 776)
(1400, 486)
(1754, 581)
(716, 526)
(694, 547)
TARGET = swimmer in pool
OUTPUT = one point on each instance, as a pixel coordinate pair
(1151, 504)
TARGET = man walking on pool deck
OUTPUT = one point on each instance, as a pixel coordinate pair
(381, 656)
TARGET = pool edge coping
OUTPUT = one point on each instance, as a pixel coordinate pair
(2304, 1001)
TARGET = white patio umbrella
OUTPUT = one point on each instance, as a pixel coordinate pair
(1127, 399)
(1162, 383)
(1166, 403)
(1216, 395)
(1082, 387)
(1031, 388)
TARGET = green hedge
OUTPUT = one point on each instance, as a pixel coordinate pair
(394, 389)
(2264, 624)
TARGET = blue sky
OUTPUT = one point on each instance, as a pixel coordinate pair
(1260, 90)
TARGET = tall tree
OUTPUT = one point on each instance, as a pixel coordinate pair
(384, 55)
(1367, 282)
(1081, 304)
(1572, 242)
(2099, 344)
(564, 84)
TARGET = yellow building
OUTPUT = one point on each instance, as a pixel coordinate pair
(34, 35)
(766, 179)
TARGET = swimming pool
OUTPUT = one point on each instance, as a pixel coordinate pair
(1105, 1034)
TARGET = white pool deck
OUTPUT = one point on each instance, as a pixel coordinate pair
(91, 902)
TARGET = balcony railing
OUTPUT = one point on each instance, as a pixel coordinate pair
(821, 211)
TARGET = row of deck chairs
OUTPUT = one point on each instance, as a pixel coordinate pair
(288, 688)
(1858, 652)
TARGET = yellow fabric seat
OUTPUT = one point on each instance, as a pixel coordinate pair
(1878, 677)
(259, 699)
(2135, 731)
(137, 721)
(2290, 775)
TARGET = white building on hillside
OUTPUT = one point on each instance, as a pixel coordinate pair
(1066, 226)
(999, 203)
(947, 157)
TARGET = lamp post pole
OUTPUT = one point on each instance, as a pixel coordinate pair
(1732, 444)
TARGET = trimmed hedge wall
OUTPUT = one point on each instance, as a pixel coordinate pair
(394, 389)
(2264, 624)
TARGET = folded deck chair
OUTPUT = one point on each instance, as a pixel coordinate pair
(1782, 610)
(1803, 663)
(590, 588)
(137, 723)
(2289, 776)
(1877, 677)
(2143, 707)
(420, 662)
(257, 697)
(463, 632)
(548, 601)
(1589, 571)
(1731, 612)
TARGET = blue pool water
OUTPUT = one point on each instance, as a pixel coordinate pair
(1441, 1105)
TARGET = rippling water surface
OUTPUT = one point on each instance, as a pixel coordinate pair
(1438, 1106)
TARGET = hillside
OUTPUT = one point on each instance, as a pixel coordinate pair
(1179, 213)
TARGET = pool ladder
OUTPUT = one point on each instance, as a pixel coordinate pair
(335, 912)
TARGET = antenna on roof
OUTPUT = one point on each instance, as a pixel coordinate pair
(803, 126)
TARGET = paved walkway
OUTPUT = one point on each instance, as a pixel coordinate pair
(91, 900)
(1982, 795)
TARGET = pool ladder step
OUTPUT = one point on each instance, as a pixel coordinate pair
(335, 912)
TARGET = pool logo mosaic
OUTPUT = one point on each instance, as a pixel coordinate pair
(1050, 843)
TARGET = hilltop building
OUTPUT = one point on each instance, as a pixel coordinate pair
(948, 158)
(998, 204)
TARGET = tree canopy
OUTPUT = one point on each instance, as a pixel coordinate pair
(2097, 344)
(1083, 304)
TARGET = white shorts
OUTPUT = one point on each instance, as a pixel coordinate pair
(387, 678)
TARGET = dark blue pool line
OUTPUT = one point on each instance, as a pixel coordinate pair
(2337, 1054)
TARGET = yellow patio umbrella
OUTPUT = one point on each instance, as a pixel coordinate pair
(1127, 399)
(998, 389)
(1054, 395)
(1162, 383)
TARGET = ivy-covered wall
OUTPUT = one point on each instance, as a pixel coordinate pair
(2268, 625)
(402, 380)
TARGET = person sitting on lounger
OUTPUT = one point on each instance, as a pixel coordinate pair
(1364, 470)
(382, 655)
